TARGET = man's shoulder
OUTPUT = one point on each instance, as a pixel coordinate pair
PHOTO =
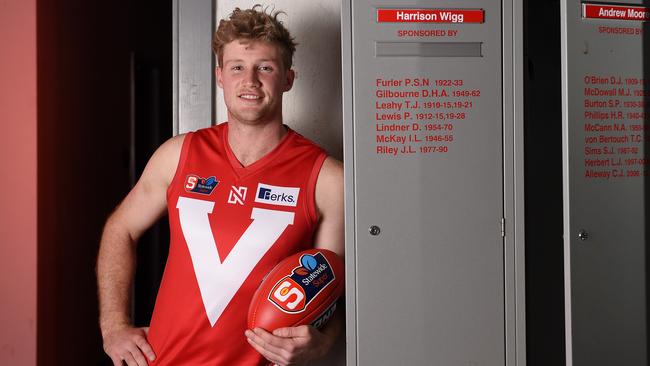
(210, 132)
(329, 184)
(171, 149)
(332, 171)
(164, 161)
(305, 142)
(207, 136)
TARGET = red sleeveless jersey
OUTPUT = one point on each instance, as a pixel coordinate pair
(229, 225)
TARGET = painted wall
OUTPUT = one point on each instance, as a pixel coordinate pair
(18, 239)
(313, 106)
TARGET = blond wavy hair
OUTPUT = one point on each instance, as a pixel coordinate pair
(255, 24)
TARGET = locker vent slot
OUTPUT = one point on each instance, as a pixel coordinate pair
(428, 49)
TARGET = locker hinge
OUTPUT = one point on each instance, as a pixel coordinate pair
(503, 227)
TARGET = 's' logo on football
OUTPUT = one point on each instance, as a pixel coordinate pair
(293, 293)
(289, 295)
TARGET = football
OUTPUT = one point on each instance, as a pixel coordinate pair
(301, 289)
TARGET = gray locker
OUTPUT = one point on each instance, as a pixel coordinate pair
(434, 270)
(604, 67)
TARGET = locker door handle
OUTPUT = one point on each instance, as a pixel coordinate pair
(374, 230)
(583, 234)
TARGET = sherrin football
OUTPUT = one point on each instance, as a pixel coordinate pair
(301, 289)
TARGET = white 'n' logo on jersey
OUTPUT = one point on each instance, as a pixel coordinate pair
(237, 195)
(219, 281)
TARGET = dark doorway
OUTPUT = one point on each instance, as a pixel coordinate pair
(543, 185)
(104, 105)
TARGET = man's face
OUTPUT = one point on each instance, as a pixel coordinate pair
(253, 80)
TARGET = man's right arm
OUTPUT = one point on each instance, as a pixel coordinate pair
(141, 208)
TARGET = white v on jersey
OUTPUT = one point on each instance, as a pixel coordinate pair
(229, 226)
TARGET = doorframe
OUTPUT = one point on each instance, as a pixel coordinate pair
(513, 169)
(193, 64)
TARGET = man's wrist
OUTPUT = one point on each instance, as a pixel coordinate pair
(112, 325)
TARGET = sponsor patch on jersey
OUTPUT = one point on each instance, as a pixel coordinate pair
(196, 184)
(293, 293)
(274, 195)
(237, 195)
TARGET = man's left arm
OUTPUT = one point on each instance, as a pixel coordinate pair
(294, 345)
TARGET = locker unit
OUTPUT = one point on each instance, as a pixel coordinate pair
(434, 228)
(604, 90)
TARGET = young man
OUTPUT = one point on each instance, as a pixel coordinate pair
(241, 196)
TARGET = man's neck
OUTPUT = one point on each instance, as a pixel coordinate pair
(250, 143)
